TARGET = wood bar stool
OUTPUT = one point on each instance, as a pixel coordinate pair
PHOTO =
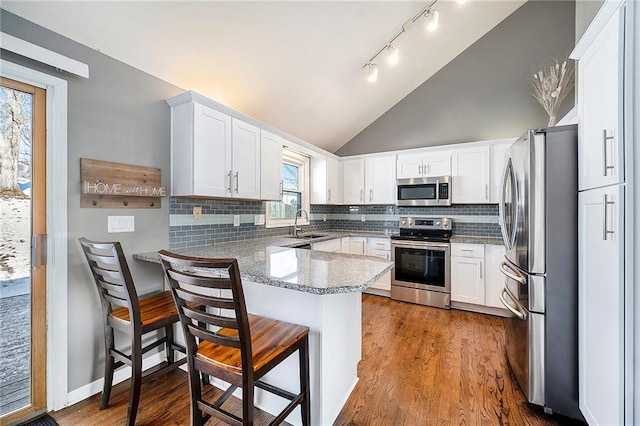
(235, 347)
(122, 310)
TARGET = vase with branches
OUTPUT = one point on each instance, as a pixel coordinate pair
(550, 84)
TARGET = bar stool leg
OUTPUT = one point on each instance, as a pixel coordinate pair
(108, 367)
(136, 379)
(168, 334)
(305, 408)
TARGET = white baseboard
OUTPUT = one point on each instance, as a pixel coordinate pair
(119, 375)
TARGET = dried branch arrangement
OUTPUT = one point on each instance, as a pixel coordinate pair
(551, 84)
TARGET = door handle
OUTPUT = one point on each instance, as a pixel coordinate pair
(605, 230)
(506, 269)
(605, 165)
(514, 311)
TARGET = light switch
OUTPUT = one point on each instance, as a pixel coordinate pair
(120, 224)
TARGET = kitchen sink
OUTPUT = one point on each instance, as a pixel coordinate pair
(309, 236)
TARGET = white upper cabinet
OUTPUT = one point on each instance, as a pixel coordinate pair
(423, 165)
(200, 151)
(380, 180)
(498, 160)
(600, 80)
(213, 154)
(270, 166)
(471, 175)
(245, 160)
(353, 181)
(326, 180)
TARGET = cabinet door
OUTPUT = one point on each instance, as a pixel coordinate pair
(332, 246)
(601, 305)
(498, 161)
(436, 164)
(270, 166)
(353, 181)
(211, 154)
(409, 166)
(470, 175)
(334, 181)
(494, 279)
(467, 280)
(357, 245)
(600, 96)
(245, 160)
(380, 180)
(344, 245)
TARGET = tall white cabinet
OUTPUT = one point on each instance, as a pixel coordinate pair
(603, 370)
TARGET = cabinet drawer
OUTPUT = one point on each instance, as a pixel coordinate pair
(385, 254)
(467, 250)
(379, 243)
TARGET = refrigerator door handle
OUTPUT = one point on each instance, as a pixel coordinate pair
(521, 315)
(508, 235)
(509, 272)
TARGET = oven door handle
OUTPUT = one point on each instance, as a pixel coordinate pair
(416, 245)
(514, 311)
(509, 272)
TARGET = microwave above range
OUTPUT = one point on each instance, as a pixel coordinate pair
(431, 191)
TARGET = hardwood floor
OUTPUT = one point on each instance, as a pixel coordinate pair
(420, 366)
(429, 366)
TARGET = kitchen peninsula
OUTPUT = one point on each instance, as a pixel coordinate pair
(318, 289)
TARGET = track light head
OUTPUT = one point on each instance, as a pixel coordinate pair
(432, 16)
(372, 72)
(392, 54)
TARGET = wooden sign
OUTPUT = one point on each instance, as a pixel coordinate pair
(107, 184)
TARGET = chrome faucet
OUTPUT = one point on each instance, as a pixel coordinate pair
(295, 221)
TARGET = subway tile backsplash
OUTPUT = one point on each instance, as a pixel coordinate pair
(216, 224)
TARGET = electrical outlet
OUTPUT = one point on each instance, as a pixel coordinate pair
(363, 218)
(197, 212)
(236, 220)
(120, 224)
(324, 217)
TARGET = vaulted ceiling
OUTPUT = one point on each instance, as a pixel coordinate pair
(296, 65)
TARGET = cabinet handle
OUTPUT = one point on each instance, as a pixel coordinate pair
(362, 195)
(237, 182)
(480, 270)
(229, 178)
(420, 168)
(426, 169)
(466, 249)
(371, 195)
(486, 191)
(329, 195)
(605, 230)
(281, 190)
(605, 164)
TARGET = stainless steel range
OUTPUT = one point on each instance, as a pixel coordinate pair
(422, 256)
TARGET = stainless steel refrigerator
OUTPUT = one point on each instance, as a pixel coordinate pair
(539, 221)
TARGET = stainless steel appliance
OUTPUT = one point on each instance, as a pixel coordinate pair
(538, 218)
(431, 191)
(422, 256)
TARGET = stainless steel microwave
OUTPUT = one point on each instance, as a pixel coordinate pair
(431, 191)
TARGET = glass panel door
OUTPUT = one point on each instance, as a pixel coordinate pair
(22, 253)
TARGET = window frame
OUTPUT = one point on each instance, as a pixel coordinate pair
(303, 162)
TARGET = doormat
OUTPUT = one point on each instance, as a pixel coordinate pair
(42, 421)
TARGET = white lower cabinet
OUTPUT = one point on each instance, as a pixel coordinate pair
(332, 246)
(467, 273)
(357, 245)
(601, 304)
(380, 247)
(476, 279)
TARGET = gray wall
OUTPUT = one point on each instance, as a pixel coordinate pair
(118, 114)
(586, 10)
(483, 93)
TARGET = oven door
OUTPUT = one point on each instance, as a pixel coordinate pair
(421, 265)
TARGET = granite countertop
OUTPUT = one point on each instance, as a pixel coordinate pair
(477, 240)
(273, 261)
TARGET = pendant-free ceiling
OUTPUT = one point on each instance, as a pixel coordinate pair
(392, 54)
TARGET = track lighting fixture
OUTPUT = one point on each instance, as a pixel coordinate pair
(432, 16)
(372, 72)
(392, 54)
(391, 51)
